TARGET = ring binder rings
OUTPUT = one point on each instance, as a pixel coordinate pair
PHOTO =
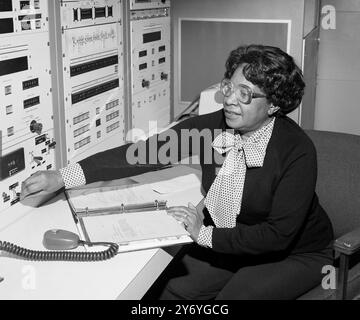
(133, 225)
(132, 208)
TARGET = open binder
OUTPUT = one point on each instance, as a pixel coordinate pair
(127, 216)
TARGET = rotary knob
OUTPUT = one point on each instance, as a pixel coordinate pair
(36, 127)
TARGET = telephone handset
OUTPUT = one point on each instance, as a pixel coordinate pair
(58, 240)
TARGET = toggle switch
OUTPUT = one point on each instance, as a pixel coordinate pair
(163, 76)
(15, 193)
(145, 83)
(52, 145)
(38, 159)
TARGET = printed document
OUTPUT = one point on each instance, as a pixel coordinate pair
(128, 227)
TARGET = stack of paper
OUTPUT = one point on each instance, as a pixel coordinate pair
(135, 230)
(129, 227)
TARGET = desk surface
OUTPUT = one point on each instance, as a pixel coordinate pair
(126, 276)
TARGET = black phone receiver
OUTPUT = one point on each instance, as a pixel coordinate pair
(59, 241)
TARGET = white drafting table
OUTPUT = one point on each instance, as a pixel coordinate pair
(126, 276)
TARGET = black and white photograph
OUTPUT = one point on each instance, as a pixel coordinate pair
(179, 155)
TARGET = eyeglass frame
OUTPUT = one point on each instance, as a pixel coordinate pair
(252, 95)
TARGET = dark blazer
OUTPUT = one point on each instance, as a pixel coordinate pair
(280, 211)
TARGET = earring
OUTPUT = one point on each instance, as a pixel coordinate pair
(273, 110)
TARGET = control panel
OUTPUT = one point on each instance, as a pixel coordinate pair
(76, 14)
(26, 110)
(23, 17)
(92, 75)
(150, 67)
(148, 4)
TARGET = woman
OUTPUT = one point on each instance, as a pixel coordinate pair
(261, 232)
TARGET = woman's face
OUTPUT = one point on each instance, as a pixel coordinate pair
(246, 117)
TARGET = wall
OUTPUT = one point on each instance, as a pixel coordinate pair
(311, 14)
(205, 46)
(338, 80)
(235, 9)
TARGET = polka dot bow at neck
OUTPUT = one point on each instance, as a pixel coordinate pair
(224, 198)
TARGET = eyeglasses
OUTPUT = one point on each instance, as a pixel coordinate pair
(243, 93)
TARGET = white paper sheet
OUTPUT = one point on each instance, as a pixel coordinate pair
(130, 227)
(177, 184)
(192, 195)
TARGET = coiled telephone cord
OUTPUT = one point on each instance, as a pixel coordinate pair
(35, 255)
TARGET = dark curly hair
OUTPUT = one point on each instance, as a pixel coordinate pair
(273, 71)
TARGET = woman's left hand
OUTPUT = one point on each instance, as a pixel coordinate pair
(190, 217)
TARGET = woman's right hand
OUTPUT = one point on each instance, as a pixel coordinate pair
(41, 183)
